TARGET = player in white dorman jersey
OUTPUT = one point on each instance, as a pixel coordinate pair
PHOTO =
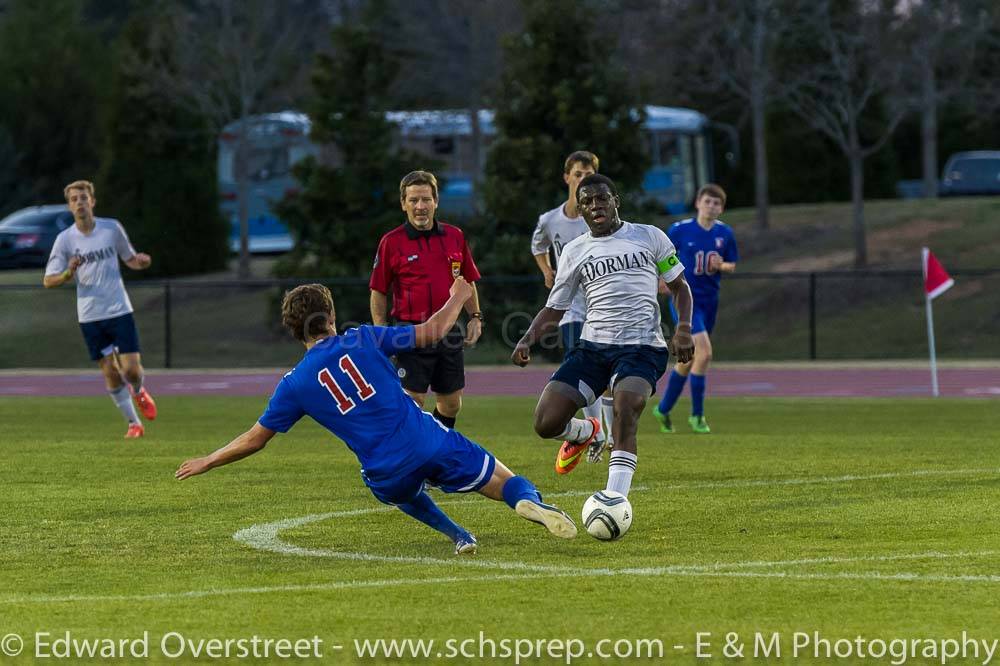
(553, 232)
(89, 251)
(618, 265)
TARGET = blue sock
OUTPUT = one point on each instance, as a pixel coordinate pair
(426, 511)
(697, 395)
(675, 384)
(518, 488)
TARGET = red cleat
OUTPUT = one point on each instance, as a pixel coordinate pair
(145, 403)
(135, 431)
(570, 453)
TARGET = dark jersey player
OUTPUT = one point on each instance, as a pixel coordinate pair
(347, 384)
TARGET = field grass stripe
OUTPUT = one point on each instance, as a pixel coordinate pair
(681, 571)
(846, 478)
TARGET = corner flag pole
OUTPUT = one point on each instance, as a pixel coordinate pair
(930, 341)
(936, 282)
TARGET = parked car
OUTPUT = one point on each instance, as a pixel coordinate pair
(26, 236)
(972, 172)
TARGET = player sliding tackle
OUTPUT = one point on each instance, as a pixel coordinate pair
(347, 384)
(618, 265)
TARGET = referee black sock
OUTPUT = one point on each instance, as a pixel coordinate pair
(448, 421)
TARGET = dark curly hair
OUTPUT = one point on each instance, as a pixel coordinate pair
(307, 311)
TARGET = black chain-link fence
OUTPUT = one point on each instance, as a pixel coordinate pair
(762, 317)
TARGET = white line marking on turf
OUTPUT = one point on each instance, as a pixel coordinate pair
(539, 571)
(680, 571)
(265, 537)
(846, 478)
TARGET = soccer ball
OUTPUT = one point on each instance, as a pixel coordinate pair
(607, 515)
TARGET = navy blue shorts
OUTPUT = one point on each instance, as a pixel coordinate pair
(592, 367)
(570, 334)
(702, 315)
(108, 335)
(459, 466)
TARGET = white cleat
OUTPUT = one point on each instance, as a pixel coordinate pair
(554, 519)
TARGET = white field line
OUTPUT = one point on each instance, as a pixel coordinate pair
(846, 478)
(256, 536)
(677, 572)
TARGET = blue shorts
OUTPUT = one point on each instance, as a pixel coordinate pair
(108, 335)
(570, 334)
(593, 367)
(459, 466)
(702, 315)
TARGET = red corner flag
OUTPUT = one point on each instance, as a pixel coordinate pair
(936, 278)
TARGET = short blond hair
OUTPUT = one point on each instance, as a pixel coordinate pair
(85, 185)
(584, 157)
(418, 178)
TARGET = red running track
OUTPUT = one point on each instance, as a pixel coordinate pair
(764, 381)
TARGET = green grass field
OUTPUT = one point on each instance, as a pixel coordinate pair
(850, 517)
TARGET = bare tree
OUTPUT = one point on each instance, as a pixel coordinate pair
(845, 70)
(457, 45)
(737, 48)
(943, 37)
(241, 58)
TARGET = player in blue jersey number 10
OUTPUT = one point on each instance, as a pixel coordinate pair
(347, 384)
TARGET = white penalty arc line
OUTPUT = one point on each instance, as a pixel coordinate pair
(714, 570)
(266, 537)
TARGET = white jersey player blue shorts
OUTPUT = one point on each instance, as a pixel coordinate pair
(347, 384)
(621, 337)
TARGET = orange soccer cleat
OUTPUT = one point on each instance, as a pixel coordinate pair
(145, 403)
(135, 431)
(570, 453)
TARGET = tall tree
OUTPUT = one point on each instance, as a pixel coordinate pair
(734, 46)
(158, 170)
(849, 89)
(943, 37)
(350, 199)
(241, 58)
(561, 90)
(53, 73)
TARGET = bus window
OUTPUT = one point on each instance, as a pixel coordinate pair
(265, 163)
(226, 173)
(668, 150)
(443, 145)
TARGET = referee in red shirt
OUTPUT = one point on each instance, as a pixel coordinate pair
(417, 262)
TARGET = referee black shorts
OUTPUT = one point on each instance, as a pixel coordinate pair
(440, 366)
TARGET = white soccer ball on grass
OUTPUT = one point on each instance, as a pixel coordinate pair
(607, 515)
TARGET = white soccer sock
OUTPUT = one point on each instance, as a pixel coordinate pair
(123, 401)
(621, 467)
(593, 410)
(608, 409)
(576, 431)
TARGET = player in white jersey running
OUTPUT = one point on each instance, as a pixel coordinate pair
(555, 229)
(90, 250)
(618, 265)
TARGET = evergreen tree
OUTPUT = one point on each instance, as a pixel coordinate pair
(158, 172)
(52, 72)
(342, 211)
(560, 91)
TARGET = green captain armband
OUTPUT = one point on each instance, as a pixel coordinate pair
(664, 265)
